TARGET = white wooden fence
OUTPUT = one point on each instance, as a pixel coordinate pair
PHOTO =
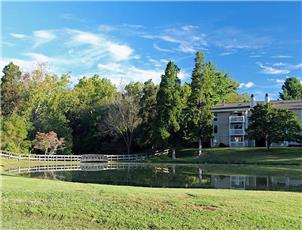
(33, 157)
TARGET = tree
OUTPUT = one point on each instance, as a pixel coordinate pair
(48, 102)
(48, 142)
(11, 89)
(14, 134)
(224, 84)
(92, 96)
(273, 125)
(147, 113)
(200, 102)
(169, 107)
(292, 89)
(122, 118)
(134, 89)
(237, 97)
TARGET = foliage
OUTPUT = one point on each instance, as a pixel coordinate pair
(273, 125)
(147, 113)
(48, 142)
(14, 134)
(122, 118)
(291, 89)
(168, 106)
(92, 96)
(224, 84)
(199, 116)
(11, 89)
(237, 97)
(134, 89)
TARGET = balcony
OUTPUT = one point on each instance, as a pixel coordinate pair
(237, 132)
(237, 144)
(236, 119)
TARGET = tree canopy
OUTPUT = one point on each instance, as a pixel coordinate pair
(291, 89)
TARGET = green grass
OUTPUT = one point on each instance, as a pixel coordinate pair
(275, 156)
(44, 204)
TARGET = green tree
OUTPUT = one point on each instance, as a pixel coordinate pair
(169, 107)
(237, 97)
(48, 102)
(147, 113)
(291, 89)
(92, 96)
(134, 89)
(273, 125)
(200, 102)
(14, 134)
(224, 84)
(11, 89)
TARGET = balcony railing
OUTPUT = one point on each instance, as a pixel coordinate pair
(233, 119)
(237, 144)
(237, 132)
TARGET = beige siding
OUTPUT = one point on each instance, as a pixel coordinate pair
(223, 128)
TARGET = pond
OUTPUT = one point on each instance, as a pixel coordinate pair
(168, 175)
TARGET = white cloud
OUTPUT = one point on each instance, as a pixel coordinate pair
(124, 73)
(227, 53)
(25, 65)
(155, 46)
(97, 47)
(42, 37)
(272, 70)
(278, 68)
(247, 85)
(185, 39)
(231, 38)
(120, 52)
(281, 56)
(19, 36)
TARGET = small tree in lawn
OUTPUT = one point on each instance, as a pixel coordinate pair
(48, 142)
(273, 125)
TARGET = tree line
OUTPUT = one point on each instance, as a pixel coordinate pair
(43, 113)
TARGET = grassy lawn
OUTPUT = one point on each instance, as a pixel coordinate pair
(12, 163)
(275, 156)
(44, 204)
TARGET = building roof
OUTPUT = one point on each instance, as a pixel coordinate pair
(287, 104)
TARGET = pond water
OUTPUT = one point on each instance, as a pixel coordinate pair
(162, 175)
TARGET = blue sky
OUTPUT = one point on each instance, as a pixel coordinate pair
(258, 43)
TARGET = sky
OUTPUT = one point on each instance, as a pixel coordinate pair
(257, 43)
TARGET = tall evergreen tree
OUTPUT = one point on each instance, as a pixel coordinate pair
(147, 113)
(291, 89)
(11, 89)
(200, 102)
(168, 107)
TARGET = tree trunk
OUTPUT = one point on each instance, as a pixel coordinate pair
(173, 168)
(267, 143)
(199, 147)
(173, 154)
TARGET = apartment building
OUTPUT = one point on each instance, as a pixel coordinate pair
(231, 121)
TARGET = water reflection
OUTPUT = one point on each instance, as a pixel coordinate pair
(158, 175)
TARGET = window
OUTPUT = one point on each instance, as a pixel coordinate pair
(215, 116)
(215, 129)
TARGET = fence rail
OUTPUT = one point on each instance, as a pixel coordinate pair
(84, 158)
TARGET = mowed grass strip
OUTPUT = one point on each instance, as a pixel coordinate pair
(44, 204)
(274, 156)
